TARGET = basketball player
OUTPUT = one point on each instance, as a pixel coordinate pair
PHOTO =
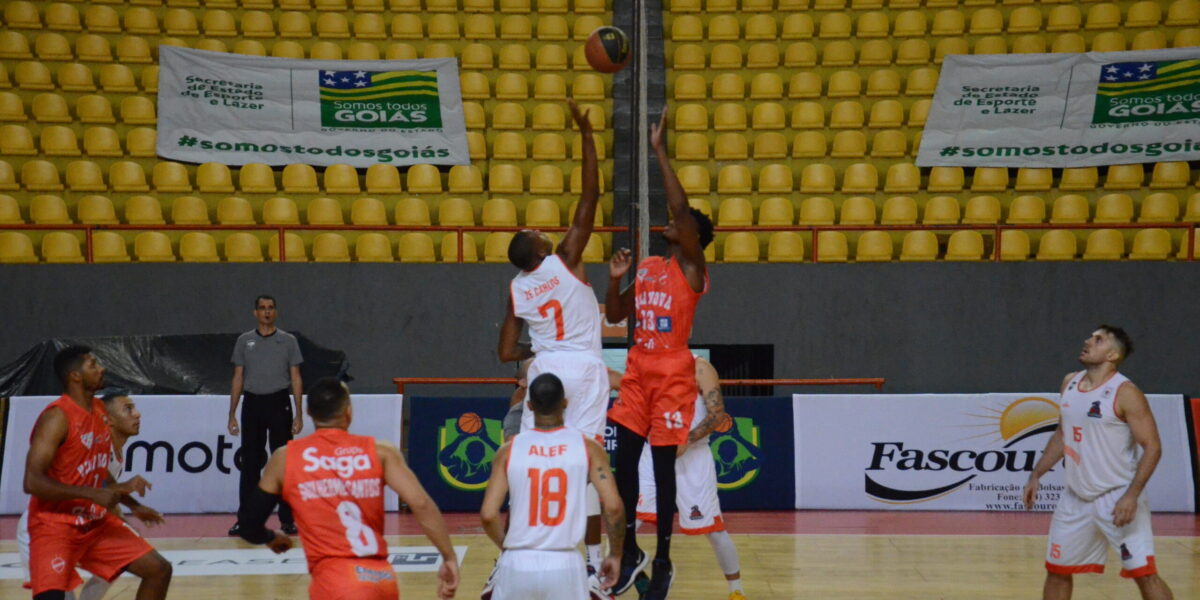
(1102, 417)
(333, 481)
(696, 480)
(66, 472)
(552, 295)
(124, 421)
(658, 391)
(546, 470)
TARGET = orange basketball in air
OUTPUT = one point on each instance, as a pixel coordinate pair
(607, 49)
(470, 423)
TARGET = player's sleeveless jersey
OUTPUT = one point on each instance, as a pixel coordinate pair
(561, 310)
(547, 478)
(82, 460)
(334, 484)
(1098, 445)
(664, 304)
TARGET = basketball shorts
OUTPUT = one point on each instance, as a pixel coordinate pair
(353, 579)
(512, 420)
(104, 547)
(540, 575)
(1081, 531)
(695, 490)
(585, 381)
(658, 396)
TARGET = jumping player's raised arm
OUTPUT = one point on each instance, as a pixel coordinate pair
(618, 303)
(48, 434)
(600, 474)
(691, 252)
(493, 497)
(1133, 407)
(510, 348)
(400, 478)
(576, 239)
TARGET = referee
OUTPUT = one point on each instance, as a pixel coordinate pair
(266, 363)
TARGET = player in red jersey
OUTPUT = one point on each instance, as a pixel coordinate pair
(333, 480)
(658, 391)
(67, 474)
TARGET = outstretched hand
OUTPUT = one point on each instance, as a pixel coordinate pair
(657, 132)
(581, 118)
(619, 265)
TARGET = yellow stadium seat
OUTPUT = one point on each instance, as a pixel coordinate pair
(300, 179)
(101, 19)
(1149, 40)
(921, 82)
(690, 86)
(257, 178)
(1124, 177)
(137, 110)
(146, 210)
(1014, 245)
(884, 82)
(1150, 244)
(1068, 43)
(475, 86)
(370, 211)
(584, 26)
(52, 46)
(324, 211)
(944, 210)
(874, 246)
(1195, 249)
(991, 44)
(331, 51)
(476, 145)
(774, 211)
(1104, 244)
(214, 178)
(816, 211)
(692, 146)
(763, 55)
(294, 250)
(800, 54)
(511, 146)
(729, 116)
(153, 246)
(1029, 44)
(886, 114)
(237, 211)
(499, 212)
(876, 53)
(1183, 13)
(1057, 244)
(239, 247)
(416, 248)
(986, 21)
(14, 45)
(8, 179)
(1034, 179)
(785, 246)
(817, 178)
(61, 247)
(919, 246)
(47, 108)
(10, 212)
(541, 212)
(1064, 18)
(96, 210)
(210, 45)
(40, 176)
(479, 27)
(281, 211)
(108, 247)
(838, 53)
(22, 15)
(735, 179)
(495, 247)
(1114, 208)
(474, 117)
(454, 212)
(735, 212)
(362, 51)
(171, 177)
(116, 78)
(407, 27)
(948, 46)
(761, 27)
(257, 24)
(767, 146)
(873, 24)
(85, 176)
(691, 57)
(130, 49)
(330, 247)
(695, 179)
(48, 210)
(889, 144)
(766, 116)
(1103, 16)
(16, 247)
(75, 77)
(797, 26)
(902, 178)
(550, 57)
(1161, 207)
(899, 210)
(946, 179)
(858, 210)
(94, 109)
(1071, 208)
(508, 179)
(59, 141)
(1025, 19)
(294, 24)
(176, 21)
(1168, 175)
(1109, 41)
(219, 23)
(450, 249)
(508, 115)
(1079, 179)
(860, 178)
(844, 84)
(967, 246)
(989, 179)
(688, 28)
(691, 117)
(835, 25)
(767, 86)
(341, 179)
(740, 247)
(465, 179)
(728, 86)
(831, 246)
(847, 114)
(1024, 209)
(593, 251)
(189, 210)
(849, 144)
(809, 144)
(551, 28)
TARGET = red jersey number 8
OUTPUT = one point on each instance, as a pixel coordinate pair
(541, 497)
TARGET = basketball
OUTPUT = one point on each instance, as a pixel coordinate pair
(470, 423)
(607, 49)
(725, 424)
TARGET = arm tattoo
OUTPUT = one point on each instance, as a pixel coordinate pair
(714, 403)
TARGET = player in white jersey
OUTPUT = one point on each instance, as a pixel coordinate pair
(551, 295)
(545, 471)
(1103, 418)
(124, 421)
(696, 479)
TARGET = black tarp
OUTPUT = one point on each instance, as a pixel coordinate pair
(156, 364)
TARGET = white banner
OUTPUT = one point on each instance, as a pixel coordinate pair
(184, 449)
(1065, 110)
(953, 452)
(236, 109)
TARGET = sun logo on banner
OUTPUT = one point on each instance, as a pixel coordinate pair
(1005, 427)
(735, 445)
(466, 447)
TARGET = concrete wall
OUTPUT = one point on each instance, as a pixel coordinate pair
(925, 327)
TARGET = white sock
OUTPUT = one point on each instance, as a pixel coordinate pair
(727, 556)
(593, 556)
(735, 585)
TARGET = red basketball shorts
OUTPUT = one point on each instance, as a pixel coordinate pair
(658, 396)
(104, 547)
(353, 579)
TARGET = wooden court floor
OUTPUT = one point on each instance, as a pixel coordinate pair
(811, 556)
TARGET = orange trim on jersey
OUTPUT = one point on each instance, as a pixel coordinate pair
(1098, 385)
(1070, 452)
(717, 525)
(587, 453)
(559, 428)
(1073, 569)
(568, 269)
(1149, 569)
